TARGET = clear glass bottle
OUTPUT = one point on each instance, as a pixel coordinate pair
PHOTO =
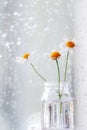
(56, 114)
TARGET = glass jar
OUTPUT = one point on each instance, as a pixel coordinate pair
(56, 113)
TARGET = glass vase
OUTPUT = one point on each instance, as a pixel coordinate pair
(57, 113)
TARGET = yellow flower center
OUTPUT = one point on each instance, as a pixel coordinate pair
(70, 44)
(26, 55)
(54, 55)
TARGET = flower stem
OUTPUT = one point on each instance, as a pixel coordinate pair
(38, 73)
(67, 57)
(59, 94)
(58, 69)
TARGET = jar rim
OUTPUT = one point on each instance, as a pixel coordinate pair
(51, 83)
(55, 83)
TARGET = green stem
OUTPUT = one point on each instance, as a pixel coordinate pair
(59, 94)
(58, 69)
(38, 73)
(67, 57)
(60, 107)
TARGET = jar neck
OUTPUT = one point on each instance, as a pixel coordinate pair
(55, 84)
(65, 88)
(54, 87)
(51, 87)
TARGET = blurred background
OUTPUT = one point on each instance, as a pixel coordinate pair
(38, 27)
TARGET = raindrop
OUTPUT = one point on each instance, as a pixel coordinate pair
(20, 5)
(7, 45)
(12, 27)
(46, 29)
(31, 18)
(15, 13)
(18, 43)
(4, 35)
(7, 103)
(5, 3)
(0, 56)
(50, 20)
(26, 24)
(67, 27)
